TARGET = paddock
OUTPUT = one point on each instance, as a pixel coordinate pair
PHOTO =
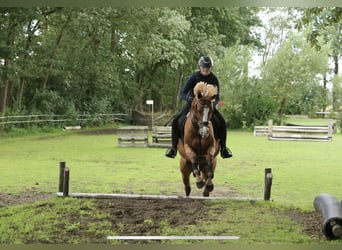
(101, 174)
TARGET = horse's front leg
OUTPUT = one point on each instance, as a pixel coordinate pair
(197, 174)
(192, 157)
(209, 186)
(210, 158)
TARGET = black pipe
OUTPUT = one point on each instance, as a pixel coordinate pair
(331, 211)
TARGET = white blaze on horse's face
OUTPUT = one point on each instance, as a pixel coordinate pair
(204, 128)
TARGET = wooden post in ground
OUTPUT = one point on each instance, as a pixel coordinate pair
(268, 184)
(61, 176)
(66, 182)
(270, 128)
(330, 128)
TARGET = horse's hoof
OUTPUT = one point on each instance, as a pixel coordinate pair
(205, 193)
(195, 173)
(209, 188)
(187, 191)
(200, 184)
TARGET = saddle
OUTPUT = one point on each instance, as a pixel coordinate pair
(181, 123)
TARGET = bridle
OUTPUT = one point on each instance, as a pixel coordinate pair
(203, 125)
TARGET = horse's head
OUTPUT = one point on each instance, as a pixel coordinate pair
(205, 93)
(202, 105)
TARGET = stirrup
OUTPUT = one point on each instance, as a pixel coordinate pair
(226, 153)
(171, 153)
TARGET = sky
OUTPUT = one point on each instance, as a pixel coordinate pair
(265, 15)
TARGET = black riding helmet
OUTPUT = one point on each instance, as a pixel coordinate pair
(205, 62)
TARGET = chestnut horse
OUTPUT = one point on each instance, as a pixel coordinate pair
(199, 148)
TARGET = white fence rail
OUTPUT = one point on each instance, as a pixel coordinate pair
(301, 133)
(297, 132)
(27, 119)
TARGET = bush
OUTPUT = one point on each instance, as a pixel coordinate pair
(50, 102)
(234, 118)
(259, 110)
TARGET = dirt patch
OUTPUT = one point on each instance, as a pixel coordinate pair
(150, 217)
(105, 131)
(128, 216)
(8, 199)
(146, 217)
(311, 222)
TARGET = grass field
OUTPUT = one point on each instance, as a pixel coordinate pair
(301, 170)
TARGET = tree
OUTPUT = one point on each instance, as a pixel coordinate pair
(294, 67)
(326, 27)
(11, 20)
(88, 60)
(156, 51)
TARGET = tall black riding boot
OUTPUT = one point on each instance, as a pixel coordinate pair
(172, 152)
(221, 129)
(225, 152)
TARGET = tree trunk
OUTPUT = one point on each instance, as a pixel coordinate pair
(137, 104)
(178, 89)
(282, 107)
(26, 52)
(6, 67)
(54, 52)
(334, 101)
(324, 92)
(335, 64)
(113, 41)
(3, 96)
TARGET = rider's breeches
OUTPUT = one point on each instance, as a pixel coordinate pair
(177, 124)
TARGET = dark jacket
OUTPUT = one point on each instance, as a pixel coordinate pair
(187, 92)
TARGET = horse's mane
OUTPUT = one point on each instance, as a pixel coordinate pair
(205, 90)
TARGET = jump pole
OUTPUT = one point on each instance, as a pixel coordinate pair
(63, 191)
(151, 196)
(174, 237)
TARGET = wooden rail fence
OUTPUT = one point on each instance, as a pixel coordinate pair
(21, 120)
(138, 136)
(133, 136)
(161, 136)
(298, 133)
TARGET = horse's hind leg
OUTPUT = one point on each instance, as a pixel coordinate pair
(186, 171)
(186, 181)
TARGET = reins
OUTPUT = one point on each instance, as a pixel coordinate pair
(195, 122)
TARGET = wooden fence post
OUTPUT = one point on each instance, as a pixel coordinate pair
(66, 182)
(330, 129)
(270, 128)
(61, 176)
(268, 184)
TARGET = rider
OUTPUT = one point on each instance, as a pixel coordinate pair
(204, 74)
